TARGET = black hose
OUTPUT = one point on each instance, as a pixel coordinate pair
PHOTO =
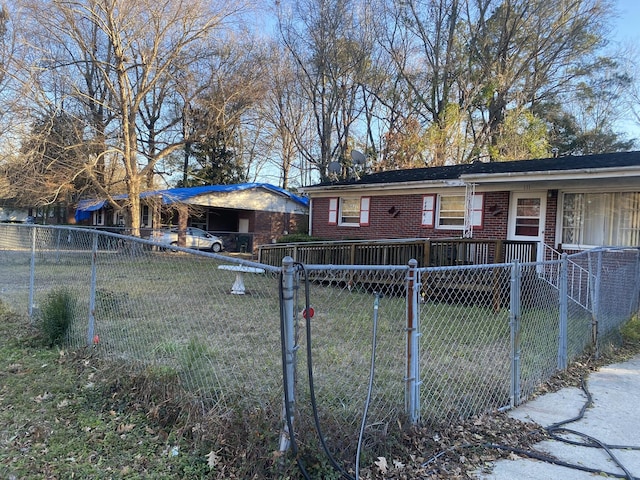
(372, 371)
(312, 393)
(548, 459)
(556, 429)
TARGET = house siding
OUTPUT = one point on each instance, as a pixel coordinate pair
(400, 216)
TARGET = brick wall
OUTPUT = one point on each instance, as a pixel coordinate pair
(550, 221)
(272, 225)
(400, 216)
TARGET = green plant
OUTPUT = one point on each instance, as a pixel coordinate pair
(56, 314)
(298, 237)
(631, 331)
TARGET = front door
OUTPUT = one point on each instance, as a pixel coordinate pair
(526, 218)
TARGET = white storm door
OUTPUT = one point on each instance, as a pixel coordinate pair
(527, 213)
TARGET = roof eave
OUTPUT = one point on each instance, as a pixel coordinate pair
(574, 174)
(384, 186)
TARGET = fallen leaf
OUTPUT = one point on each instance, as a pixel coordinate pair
(124, 428)
(43, 397)
(381, 463)
(212, 459)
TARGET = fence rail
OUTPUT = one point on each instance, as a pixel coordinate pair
(452, 341)
(428, 252)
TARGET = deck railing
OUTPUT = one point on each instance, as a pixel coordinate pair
(428, 252)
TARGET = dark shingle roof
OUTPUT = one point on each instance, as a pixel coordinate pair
(600, 161)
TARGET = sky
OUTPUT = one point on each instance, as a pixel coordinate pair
(627, 32)
(628, 22)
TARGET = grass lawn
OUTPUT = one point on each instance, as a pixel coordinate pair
(60, 418)
(71, 415)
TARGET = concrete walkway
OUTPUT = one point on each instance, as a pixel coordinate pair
(614, 419)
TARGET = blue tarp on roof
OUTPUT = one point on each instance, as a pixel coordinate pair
(171, 195)
(85, 207)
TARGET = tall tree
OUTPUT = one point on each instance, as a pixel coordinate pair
(330, 47)
(524, 52)
(237, 83)
(427, 49)
(52, 163)
(144, 44)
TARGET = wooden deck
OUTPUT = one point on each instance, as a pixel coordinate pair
(428, 252)
(484, 286)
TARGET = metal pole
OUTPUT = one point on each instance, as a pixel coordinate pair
(514, 323)
(32, 272)
(595, 298)
(412, 380)
(58, 245)
(92, 292)
(288, 324)
(563, 292)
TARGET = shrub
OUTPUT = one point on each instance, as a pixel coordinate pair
(631, 331)
(56, 314)
(298, 237)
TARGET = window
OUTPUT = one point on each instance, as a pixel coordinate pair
(333, 211)
(349, 211)
(118, 218)
(144, 216)
(452, 208)
(593, 219)
(451, 212)
(98, 217)
(528, 217)
(428, 210)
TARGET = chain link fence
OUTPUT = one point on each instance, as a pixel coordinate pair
(401, 343)
(155, 307)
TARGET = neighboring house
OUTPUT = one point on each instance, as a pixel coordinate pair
(247, 214)
(12, 211)
(568, 203)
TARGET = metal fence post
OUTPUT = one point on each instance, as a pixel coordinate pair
(289, 348)
(596, 272)
(59, 231)
(92, 291)
(412, 380)
(563, 293)
(514, 324)
(32, 272)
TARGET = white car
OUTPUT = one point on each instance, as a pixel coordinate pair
(194, 238)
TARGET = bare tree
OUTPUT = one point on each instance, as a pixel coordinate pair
(424, 42)
(133, 50)
(328, 44)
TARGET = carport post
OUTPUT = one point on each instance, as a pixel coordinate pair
(289, 349)
(514, 323)
(563, 289)
(92, 291)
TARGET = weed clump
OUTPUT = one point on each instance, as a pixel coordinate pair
(56, 314)
(631, 332)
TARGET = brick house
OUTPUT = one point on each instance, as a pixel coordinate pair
(568, 203)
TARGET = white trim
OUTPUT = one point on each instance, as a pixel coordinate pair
(511, 219)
